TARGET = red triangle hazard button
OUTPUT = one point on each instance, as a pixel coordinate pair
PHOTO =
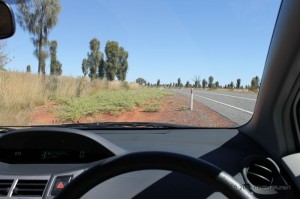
(60, 185)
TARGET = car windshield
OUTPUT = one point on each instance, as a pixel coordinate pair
(195, 63)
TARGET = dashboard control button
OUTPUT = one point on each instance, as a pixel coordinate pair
(60, 183)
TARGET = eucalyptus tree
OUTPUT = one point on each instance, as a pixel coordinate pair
(210, 82)
(158, 83)
(84, 67)
(238, 83)
(122, 64)
(55, 65)
(179, 82)
(116, 64)
(197, 81)
(140, 81)
(254, 83)
(94, 58)
(187, 85)
(111, 51)
(204, 83)
(38, 17)
(28, 69)
(102, 65)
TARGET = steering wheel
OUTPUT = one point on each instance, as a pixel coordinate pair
(121, 164)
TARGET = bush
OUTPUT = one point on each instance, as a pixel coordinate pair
(126, 85)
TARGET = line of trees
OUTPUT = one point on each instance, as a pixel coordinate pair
(254, 85)
(39, 17)
(115, 65)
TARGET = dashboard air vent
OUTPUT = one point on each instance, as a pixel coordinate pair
(30, 188)
(260, 173)
(5, 186)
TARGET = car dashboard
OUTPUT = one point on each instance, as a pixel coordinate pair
(39, 162)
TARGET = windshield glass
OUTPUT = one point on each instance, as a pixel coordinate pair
(196, 63)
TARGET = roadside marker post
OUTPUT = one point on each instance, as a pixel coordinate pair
(192, 99)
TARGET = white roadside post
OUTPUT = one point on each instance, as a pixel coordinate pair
(192, 99)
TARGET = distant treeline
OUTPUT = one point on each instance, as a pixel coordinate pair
(197, 83)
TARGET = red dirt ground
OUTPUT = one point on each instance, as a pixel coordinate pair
(43, 114)
(174, 110)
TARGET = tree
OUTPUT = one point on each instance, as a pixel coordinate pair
(38, 17)
(101, 70)
(59, 68)
(122, 64)
(4, 59)
(84, 67)
(55, 65)
(53, 47)
(94, 58)
(116, 64)
(158, 83)
(140, 81)
(231, 85)
(217, 84)
(112, 59)
(178, 82)
(238, 83)
(254, 83)
(28, 69)
(204, 83)
(210, 82)
(197, 81)
(187, 84)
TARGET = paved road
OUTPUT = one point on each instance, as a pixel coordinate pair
(238, 107)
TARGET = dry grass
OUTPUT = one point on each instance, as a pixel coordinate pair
(18, 93)
(21, 92)
(19, 89)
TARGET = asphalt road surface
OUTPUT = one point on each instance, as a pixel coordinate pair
(237, 107)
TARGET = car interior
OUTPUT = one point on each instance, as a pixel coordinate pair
(260, 159)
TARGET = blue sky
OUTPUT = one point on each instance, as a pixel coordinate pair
(166, 39)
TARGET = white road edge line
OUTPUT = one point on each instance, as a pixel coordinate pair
(237, 108)
(245, 98)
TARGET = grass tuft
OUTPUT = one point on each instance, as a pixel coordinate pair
(183, 108)
(153, 107)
